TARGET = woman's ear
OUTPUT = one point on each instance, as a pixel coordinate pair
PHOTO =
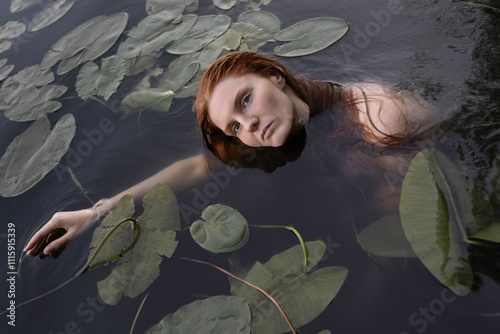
(277, 78)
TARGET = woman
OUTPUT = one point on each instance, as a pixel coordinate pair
(248, 100)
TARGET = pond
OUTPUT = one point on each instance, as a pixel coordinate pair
(447, 51)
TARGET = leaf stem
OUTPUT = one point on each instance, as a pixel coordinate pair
(138, 311)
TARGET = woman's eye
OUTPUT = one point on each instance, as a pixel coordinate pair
(236, 127)
(246, 100)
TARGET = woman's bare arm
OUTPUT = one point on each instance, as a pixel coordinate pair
(179, 175)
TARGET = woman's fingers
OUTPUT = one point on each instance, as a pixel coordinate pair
(38, 239)
(59, 242)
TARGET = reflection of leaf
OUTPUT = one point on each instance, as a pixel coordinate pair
(434, 232)
(310, 36)
(302, 296)
(203, 32)
(386, 237)
(103, 82)
(156, 31)
(43, 104)
(223, 229)
(219, 314)
(50, 14)
(138, 268)
(11, 29)
(157, 99)
(86, 42)
(225, 4)
(34, 153)
(155, 6)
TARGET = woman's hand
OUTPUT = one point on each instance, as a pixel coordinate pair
(48, 240)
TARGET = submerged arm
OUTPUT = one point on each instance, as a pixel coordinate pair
(179, 175)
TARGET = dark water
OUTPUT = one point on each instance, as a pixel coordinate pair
(447, 51)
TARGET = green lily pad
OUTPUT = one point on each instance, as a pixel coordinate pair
(223, 229)
(224, 4)
(219, 314)
(103, 82)
(16, 93)
(265, 21)
(155, 32)
(31, 75)
(34, 153)
(41, 105)
(179, 72)
(19, 5)
(253, 37)
(302, 296)
(157, 99)
(86, 42)
(229, 40)
(205, 30)
(431, 222)
(121, 238)
(12, 29)
(136, 270)
(155, 6)
(386, 237)
(310, 36)
(136, 65)
(50, 14)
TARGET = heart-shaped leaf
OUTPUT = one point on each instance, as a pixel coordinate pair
(104, 82)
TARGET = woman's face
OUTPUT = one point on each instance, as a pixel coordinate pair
(260, 111)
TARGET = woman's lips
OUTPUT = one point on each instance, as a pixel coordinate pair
(266, 132)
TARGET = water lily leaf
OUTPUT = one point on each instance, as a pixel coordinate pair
(179, 72)
(12, 29)
(310, 36)
(225, 4)
(155, 32)
(302, 296)
(219, 314)
(103, 82)
(34, 153)
(50, 14)
(19, 5)
(229, 40)
(121, 237)
(223, 229)
(17, 93)
(86, 42)
(432, 229)
(136, 270)
(157, 99)
(203, 32)
(4, 45)
(490, 233)
(136, 65)
(42, 105)
(31, 75)
(253, 37)
(5, 70)
(155, 6)
(262, 20)
(386, 237)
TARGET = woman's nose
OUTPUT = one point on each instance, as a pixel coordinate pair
(251, 123)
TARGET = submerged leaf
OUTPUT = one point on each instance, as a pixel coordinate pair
(50, 14)
(386, 237)
(302, 296)
(12, 29)
(138, 268)
(157, 99)
(206, 29)
(434, 232)
(310, 36)
(223, 229)
(86, 42)
(103, 82)
(219, 314)
(34, 153)
(225, 4)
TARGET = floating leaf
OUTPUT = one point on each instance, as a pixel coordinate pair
(34, 153)
(19, 5)
(229, 40)
(50, 14)
(203, 32)
(31, 75)
(262, 20)
(310, 36)
(4, 45)
(386, 237)
(120, 239)
(223, 229)
(42, 105)
(86, 42)
(155, 32)
(225, 4)
(17, 93)
(302, 296)
(137, 269)
(11, 29)
(5, 70)
(155, 6)
(253, 37)
(433, 232)
(103, 82)
(219, 314)
(157, 99)
(179, 72)
(134, 66)
(490, 233)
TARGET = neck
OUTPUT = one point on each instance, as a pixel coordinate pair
(320, 95)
